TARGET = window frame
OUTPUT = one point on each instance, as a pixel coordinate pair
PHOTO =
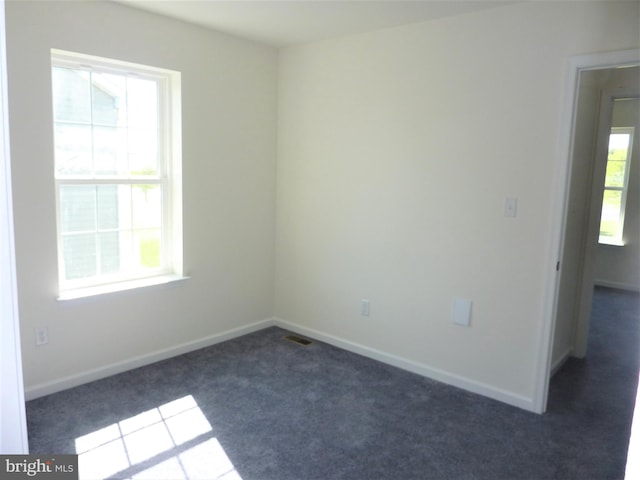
(618, 239)
(169, 179)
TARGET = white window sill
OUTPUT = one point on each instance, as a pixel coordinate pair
(145, 283)
(611, 243)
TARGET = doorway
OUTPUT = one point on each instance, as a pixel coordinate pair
(556, 302)
(595, 83)
(607, 99)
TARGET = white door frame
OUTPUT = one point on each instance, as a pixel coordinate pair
(575, 66)
(13, 425)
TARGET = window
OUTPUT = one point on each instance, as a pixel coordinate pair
(117, 172)
(615, 185)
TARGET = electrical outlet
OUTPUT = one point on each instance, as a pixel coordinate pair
(461, 312)
(42, 336)
(510, 207)
(364, 307)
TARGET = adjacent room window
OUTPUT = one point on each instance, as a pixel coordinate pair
(117, 172)
(615, 185)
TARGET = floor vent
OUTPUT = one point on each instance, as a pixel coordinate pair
(298, 340)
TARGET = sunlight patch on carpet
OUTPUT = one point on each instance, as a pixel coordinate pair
(174, 440)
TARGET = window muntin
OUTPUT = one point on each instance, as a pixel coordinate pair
(116, 171)
(615, 185)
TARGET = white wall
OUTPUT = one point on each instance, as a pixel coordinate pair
(396, 151)
(229, 140)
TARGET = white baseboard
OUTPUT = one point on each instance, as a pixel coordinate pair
(415, 367)
(620, 286)
(60, 384)
(473, 386)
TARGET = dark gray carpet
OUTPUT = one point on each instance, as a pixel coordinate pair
(278, 410)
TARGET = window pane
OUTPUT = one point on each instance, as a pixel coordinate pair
(146, 203)
(143, 152)
(617, 159)
(109, 100)
(71, 95)
(148, 245)
(124, 206)
(615, 173)
(77, 208)
(73, 150)
(142, 99)
(110, 150)
(611, 204)
(108, 207)
(618, 146)
(109, 252)
(79, 254)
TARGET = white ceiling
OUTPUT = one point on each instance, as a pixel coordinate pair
(289, 22)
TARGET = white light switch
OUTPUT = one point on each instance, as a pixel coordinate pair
(510, 207)
(462, 311)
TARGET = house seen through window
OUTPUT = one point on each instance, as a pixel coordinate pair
(116, 171)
